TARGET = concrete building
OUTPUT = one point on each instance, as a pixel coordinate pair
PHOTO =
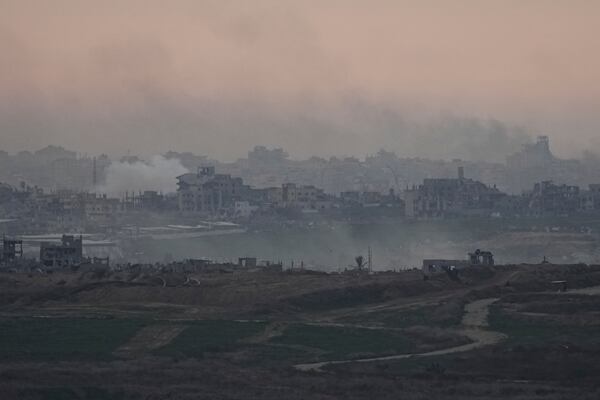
(533, 155)
(208, 192)
(305, 197)
(244, 209)
(550, 199)
(478, 257)
(102, 209)
(536, 163)
(446, 197)
(590, 199)
(290, 195)
(12, 250)
(65, 254)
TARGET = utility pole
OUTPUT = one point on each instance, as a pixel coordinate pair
(370, 259)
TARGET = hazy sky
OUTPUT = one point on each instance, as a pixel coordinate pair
(323, 77)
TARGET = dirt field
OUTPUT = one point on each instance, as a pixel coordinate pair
(494, 333)
(474, 319)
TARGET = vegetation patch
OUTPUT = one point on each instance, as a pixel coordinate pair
(522, 330)
(565, 305)
(346, 343)
(340, 297)
(63, 338)
(444, 315)
(69, 393)
(274, 355)
(217, 336)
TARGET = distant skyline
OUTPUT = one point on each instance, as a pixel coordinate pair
(314, 77)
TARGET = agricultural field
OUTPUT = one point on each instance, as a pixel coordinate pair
(48, 339)
(501, 332)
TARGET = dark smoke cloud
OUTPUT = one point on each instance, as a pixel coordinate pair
(217, 78)
(227, 130)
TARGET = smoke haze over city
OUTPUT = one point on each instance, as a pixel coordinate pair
(299, 199)
(421, 78)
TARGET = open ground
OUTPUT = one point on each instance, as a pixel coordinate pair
(495, 332)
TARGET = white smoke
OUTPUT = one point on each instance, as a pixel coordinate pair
(156, 174)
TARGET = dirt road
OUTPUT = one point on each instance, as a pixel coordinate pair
(473, 322)
(148, 339)
(403, 303)
(592, 290)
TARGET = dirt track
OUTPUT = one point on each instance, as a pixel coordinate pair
(474, 320)
(592, 290)
(148, 339)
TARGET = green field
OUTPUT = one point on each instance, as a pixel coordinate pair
(274, 355)
(344, 343)
(535, 349)
(535, 331)
(69, 393)
(203, 337)
(440, 315)
(63, 338)
(297, 343)
(96, 339)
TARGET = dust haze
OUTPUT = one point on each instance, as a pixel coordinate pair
(299, 199)
(338, 79)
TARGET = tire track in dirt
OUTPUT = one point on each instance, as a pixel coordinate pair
(590, 291)
(473, 322)
(148, 339)
(427, 299)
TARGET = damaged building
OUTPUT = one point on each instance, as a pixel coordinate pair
(208, 192)
(476, 258)
(67, 253)
(12, 250)
(536, 162)
(547, 198)
(447, 197)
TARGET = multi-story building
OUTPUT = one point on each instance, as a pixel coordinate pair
(590, 199)
(244, 209)
(546, 198)
(102, 209)
(68, 253)
(536, 163)
(208, 192)
(305, 197)
(444, 197)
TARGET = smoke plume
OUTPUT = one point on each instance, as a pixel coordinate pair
(156, 174)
